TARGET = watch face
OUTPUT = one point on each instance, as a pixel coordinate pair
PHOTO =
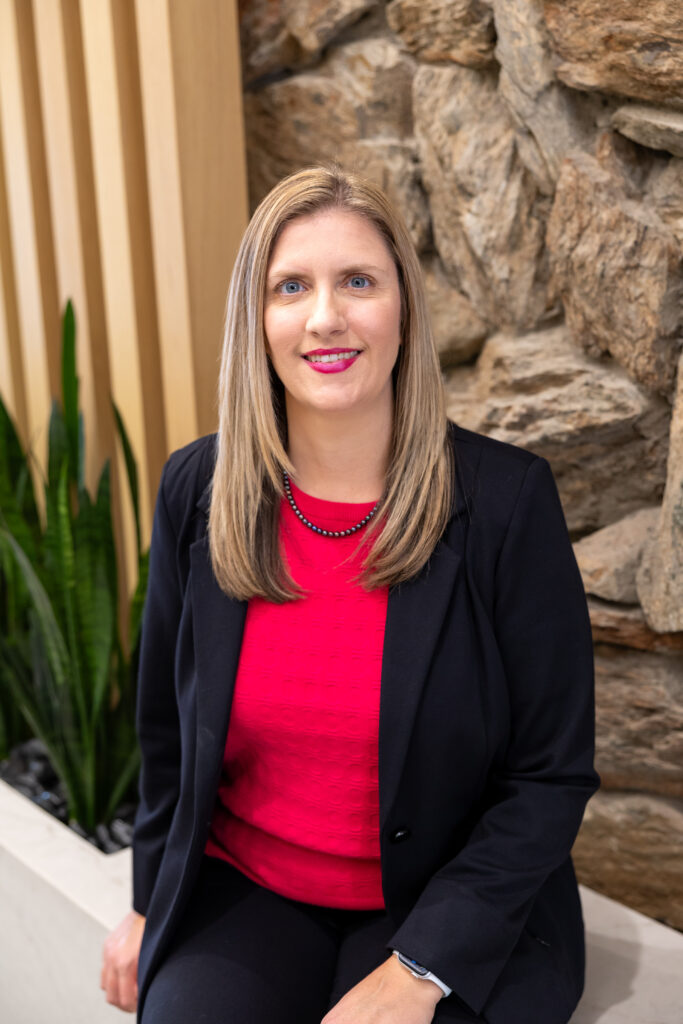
(413, 964)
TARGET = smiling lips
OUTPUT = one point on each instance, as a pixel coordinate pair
(332, 360)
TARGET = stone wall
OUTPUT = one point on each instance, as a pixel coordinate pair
(536, 150)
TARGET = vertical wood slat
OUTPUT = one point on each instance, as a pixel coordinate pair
(12, 383)
(170, 265)
(208, 90)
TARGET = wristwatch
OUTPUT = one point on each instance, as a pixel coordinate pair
(419, 971)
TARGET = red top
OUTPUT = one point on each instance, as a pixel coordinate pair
(298, 803)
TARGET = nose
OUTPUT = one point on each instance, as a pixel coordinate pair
(326, 317)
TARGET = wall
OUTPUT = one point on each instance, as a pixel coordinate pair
(536, 150)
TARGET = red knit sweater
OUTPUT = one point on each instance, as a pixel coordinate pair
(298, 803)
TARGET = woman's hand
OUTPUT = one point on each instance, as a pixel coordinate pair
(390, 995)
(119, 977)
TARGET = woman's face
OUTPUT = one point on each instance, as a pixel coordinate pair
(332, 314)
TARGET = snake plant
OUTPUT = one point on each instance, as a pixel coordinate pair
(63, 664)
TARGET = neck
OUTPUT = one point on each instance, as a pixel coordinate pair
(338, 456)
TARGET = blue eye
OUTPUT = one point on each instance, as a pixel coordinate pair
(290, 287)
(359, 281)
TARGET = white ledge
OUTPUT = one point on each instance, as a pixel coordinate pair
(60, 896)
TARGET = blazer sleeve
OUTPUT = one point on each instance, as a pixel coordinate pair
(470, 915)
(157, 713)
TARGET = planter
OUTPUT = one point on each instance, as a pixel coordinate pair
(60, 896)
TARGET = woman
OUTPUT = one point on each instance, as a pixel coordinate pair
(366, 683)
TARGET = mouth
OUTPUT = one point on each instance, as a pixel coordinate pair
(334, 360)
(333, 355)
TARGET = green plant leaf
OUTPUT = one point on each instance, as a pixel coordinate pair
(18, 509)
(62, 662)
(131, 472)
(137, 606)
(122, 783)
(55, 647)
(67, 566)
(58, 446)
(70, 392)
(15, 472)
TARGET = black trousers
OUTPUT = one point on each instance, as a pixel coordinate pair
(244, 955)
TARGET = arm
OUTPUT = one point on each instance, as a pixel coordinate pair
(158, 732)
(157, 712)
(471, 913)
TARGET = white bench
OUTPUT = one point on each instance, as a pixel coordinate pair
(60, 896)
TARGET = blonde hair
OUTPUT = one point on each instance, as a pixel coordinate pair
(251, 453)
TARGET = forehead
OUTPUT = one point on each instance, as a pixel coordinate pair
(331, 232)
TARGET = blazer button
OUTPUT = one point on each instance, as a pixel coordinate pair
(399, 834)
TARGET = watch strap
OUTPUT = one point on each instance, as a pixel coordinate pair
(419, 971)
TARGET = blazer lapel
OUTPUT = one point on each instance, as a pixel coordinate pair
(218, 626)
(415, 614)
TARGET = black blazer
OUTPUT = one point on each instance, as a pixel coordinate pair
(485, 732)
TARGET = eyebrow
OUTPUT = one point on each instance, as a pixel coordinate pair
(353, 268)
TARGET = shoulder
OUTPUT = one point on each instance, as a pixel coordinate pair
(485, 466)
(187, 475)
(505, 494)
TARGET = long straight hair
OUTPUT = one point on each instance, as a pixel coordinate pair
(251, 454)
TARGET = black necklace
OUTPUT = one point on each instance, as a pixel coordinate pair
(318, 529)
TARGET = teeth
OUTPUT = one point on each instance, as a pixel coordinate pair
(334, 358)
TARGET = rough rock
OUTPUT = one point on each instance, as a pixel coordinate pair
(315, 23)
(625, 625)
(335, 112)
(458, 331)
(665, 193)
(655, 127)
(550, 120)
(395, 167)
(625, 47)
(619, 271)
(630, 847)
(279, 34)
(608, 559)
(660, 574)
(639, 720)
(439, 30)
(605, 437)
(488, 215)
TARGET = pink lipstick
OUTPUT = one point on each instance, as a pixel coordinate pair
(331, 360)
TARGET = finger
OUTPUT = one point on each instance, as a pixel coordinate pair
(127, 989)
(112, 988)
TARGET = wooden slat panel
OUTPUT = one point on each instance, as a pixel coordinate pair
(130, 102)
(69, 254)
(42, 216)
(115, 242)
(170, 259)
(208, 91)
(122, 144)
(22, 232)
(11, 364)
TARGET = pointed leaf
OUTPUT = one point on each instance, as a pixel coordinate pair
(55, 647)
(132, 473)
(70, 389)
(58, 446)
(137, 606)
